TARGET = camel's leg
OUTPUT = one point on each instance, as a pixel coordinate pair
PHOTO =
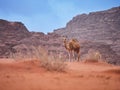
(69, 56)
(78, 56)
(73, 55)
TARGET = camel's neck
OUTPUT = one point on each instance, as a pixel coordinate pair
(65, 44)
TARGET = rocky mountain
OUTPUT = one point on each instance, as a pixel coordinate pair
(15, 37)
(96, 30)
(10, 35)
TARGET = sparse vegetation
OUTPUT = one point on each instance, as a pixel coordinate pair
(49, 62)
(93, 56)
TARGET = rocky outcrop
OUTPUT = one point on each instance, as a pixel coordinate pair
(15, 37)
(101, 29)
(10, 35)
(97, 30)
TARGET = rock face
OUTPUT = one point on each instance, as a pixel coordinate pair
(96, 30)
(10, 35)
(14, 37)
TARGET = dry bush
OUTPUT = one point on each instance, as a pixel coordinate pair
(53, 65)
(52, 62)
(49, 62)
(92, 56)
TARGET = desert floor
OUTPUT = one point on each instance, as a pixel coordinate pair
(28, 75)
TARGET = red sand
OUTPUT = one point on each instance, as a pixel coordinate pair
(28, 75)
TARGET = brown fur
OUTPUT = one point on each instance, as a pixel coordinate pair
(72, 46)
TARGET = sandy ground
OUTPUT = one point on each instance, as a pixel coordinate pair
(28, 75)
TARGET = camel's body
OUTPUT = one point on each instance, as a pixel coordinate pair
(72, 47)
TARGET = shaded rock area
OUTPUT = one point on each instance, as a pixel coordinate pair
(15, 37)
(96, 30)
(10, 35)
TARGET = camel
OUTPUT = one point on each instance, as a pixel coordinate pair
(73, 47)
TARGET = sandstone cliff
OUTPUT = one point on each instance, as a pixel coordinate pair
(10, 35)
(15, 37)
(96, 30)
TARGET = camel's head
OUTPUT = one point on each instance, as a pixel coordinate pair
(64, 39)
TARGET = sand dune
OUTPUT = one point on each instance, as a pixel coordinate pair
(28, 75)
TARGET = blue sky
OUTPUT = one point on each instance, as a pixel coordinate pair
(47, 15)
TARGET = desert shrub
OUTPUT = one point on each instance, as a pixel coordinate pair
(53, 65)
(49, 62)
(92, 56)
(52, 62)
